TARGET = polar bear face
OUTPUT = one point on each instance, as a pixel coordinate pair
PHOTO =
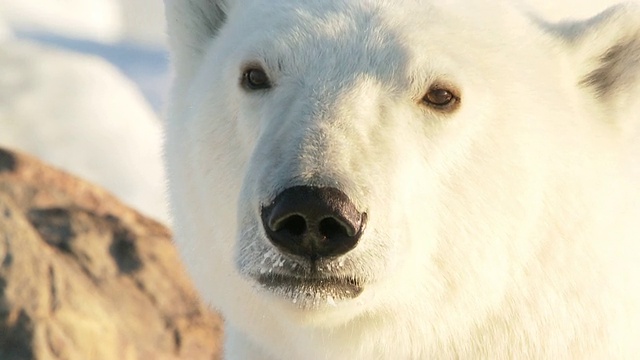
(334, 158)
(395, 132)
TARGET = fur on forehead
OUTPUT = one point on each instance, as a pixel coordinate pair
(462, 14)
(193, 23)
(377, 30)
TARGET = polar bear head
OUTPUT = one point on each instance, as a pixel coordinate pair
(333, 159)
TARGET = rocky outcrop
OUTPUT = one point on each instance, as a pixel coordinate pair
(84, 277)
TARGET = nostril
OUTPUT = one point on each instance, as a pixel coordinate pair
(294, 225)
(313, 222)
(331, 228)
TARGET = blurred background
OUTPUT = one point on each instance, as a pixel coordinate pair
(82, 86)
(128, 33)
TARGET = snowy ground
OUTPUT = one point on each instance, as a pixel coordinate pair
(145, 64)
(128, 33)
(104, 21)
(83, 90)
(78, 112)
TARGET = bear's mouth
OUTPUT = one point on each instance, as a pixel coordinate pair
(307, 291)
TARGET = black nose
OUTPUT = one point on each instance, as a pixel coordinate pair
(313, 222)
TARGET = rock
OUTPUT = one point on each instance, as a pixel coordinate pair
(82, 276)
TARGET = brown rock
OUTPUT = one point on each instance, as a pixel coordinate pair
(84, 277)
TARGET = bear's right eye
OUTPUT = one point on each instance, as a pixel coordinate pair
(255, 79)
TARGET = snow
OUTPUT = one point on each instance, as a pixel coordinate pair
(78, 112)
(5, 31)
(95, 19)
(82, 89)
(147, 65)
(143, 21)
(104, 21)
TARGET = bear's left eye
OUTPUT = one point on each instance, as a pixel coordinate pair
(440, 98)
(255, 79)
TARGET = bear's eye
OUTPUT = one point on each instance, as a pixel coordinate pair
(255, 79)
(440, 98)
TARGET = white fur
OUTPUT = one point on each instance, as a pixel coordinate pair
(507, 228)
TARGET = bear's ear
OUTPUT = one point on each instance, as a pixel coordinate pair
(606, 51)
(190, 25)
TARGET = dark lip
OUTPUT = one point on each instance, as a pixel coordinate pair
(337, 287)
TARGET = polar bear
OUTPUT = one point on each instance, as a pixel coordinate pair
(406, 179)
